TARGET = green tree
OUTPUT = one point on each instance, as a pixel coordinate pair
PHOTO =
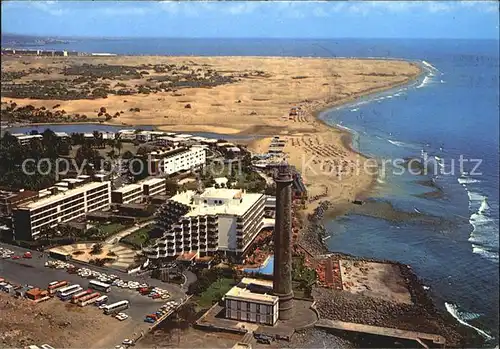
(96, 248)
(119, 146)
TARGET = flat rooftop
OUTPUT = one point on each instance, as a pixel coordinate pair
(153, 181)
(128, 188)
(60, 196)
(242, 292)
(237, 202)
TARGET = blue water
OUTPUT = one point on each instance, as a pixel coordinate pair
(450, 111)
(266, 268)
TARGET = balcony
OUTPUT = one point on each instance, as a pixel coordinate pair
(203, 246)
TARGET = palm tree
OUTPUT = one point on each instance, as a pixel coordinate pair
(118, 146)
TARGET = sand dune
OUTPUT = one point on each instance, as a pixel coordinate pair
(260, 105)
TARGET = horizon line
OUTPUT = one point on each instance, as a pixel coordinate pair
(62, 37)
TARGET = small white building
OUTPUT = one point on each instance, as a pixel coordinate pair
(26, 139)
(126, 135)
(243, 303)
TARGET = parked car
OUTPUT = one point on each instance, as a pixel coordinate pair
(15, 257)
(128, 342)
(27, 255)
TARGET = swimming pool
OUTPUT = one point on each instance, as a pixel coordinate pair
(266, 268)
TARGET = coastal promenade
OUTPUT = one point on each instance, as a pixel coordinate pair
(382, 331)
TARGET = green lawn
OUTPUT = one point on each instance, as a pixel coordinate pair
(215, 292)
(111, 228)
(138, 237)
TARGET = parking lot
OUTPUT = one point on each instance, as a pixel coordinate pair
(32, 271)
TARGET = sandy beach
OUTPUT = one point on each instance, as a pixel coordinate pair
(258, 103)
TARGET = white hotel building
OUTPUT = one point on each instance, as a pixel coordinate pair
(128, 194)
(135, 193)
(252, 301)
(58, 205)
(217, 220)
(178, 159)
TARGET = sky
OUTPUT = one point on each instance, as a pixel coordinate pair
(253, 19)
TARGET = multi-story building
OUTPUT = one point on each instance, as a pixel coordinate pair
(217, 220)
(178, 159)
(252, 301)
(54, 206)
(26, 139)
(128, 194)
(154, 186)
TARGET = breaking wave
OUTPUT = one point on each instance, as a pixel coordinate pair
(397, 143)
(462, 317)
(484, 234)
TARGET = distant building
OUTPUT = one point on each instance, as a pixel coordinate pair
(55, 205)
(10, 199)
(154, 186)
(217, 220)
(126, 135)
(135, 193)
(26, 139)
(128, 194)
(177, 159)
(252, 300)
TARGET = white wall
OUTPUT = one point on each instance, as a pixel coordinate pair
(227, 232)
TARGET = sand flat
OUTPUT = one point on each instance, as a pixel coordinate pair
(373, 279)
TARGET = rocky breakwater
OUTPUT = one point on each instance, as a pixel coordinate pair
(421, 316)
(314, 233)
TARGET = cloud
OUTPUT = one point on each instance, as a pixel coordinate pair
(52, 8)
(124, 11)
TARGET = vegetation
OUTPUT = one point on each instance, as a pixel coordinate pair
(303, 276)
(111, 228)
(215, 292)
(207, 278)
(90, 81)
(96, 249)
(139, 237)
(12, 156)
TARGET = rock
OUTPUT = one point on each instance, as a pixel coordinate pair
(187, 106)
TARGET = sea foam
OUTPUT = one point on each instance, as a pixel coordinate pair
(463, 316)
(484, 234)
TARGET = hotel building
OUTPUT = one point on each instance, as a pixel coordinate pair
(135, 193)
(178, 159)
(252, 301)
(217, 220)
(57, 205)
(128, 194)
(154, 186)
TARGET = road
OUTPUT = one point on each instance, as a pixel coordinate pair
(33, 272)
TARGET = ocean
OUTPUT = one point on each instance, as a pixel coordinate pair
(452, 111)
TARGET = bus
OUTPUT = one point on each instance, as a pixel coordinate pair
(67, 288)
(79, 295)
(99, 286)
(63, 256)
(116, 307)
(67, 294)
(89, 299)
(101, 300)
(53, 288)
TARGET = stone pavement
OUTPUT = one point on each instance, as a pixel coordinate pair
(124, 255)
